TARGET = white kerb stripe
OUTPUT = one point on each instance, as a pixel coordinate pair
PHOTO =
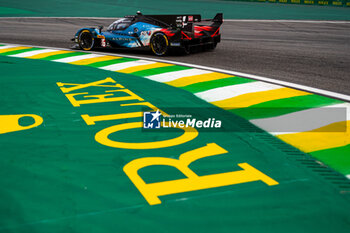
(170, 76)
(348, 176)
(234, 73)
(32, 53)
(77, 58)
(8, 46)
(222, 93)
(125, 65)
(305, 120)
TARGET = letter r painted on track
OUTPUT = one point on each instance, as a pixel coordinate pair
(151, 192)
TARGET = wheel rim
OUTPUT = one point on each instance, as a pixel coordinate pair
(159, 44)
(86, 41)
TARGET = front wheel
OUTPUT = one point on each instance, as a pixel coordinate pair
(159, 44)
(86, 40)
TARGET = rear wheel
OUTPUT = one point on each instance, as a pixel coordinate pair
(86, 40)
(186, 49)
(212, 46)
(159, 44)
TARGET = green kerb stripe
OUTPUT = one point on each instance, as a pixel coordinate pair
(64, 55)
(20, 51)
(203, 86)
(337, 158)
(284, 106)
(110, 62)
(160, 70)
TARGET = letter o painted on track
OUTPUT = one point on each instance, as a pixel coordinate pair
(102, 138)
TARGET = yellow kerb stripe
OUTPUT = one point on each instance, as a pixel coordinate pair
(93, 60)
(43, 55)
(144, 67)
(13, 49)
(320, 139)
(185, 81)
(250, 99)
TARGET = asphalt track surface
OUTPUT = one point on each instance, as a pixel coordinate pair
(315, 54)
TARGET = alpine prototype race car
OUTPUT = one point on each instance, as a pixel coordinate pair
(155, 32)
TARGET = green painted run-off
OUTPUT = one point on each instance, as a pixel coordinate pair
(58, 178)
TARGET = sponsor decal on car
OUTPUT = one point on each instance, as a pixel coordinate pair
(103, 42)
(175, 44)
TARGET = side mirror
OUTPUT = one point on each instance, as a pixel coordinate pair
(100, 29)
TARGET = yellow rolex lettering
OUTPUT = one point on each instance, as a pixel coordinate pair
(81, 86)
(72, 100)
(102, 98)
(193, 182)
(10, 123)
(117, 85)
(91, 120)
(102, 137)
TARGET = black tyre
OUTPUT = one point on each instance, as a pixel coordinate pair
(186, 49)
(213, 46)
(159, 44)
(86, 40)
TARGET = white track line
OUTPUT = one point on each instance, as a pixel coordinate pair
(235, 73)
(77, 58)
(8, 47)
(222, 93)
(305, 120)
(125, 65)
(170, 76)
(32, 53)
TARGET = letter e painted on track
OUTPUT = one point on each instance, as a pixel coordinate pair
(102, 98)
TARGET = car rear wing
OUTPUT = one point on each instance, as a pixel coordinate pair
(217, 20)
(175, 21)
(203, 28)
(184, 22)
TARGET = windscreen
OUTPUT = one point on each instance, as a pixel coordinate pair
(120, 24)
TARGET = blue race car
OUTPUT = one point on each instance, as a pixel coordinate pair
(155, 32)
